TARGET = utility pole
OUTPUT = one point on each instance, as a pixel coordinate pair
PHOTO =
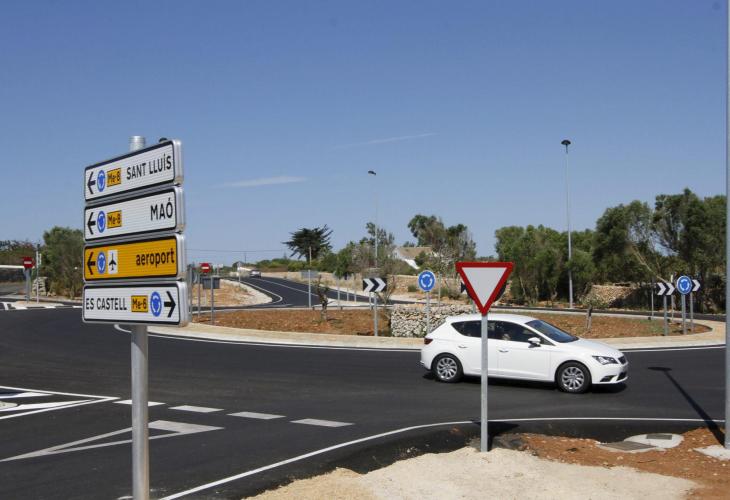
(375, 295)
(309, 279)
(567, 143)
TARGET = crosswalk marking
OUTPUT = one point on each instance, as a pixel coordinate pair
(196, 409)
(260, 416)
(321, 423)
(129, 402)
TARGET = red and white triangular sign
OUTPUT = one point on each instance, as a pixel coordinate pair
(484, 280)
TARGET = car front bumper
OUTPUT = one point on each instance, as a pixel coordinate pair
(610, 374)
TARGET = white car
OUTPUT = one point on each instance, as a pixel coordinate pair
(523, 348)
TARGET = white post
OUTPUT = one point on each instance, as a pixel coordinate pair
(140, 430)
(338, 293)
(727, 227)
(485, 385)
(37, 276)
(428, 312)
(309, 279)
(684, 315)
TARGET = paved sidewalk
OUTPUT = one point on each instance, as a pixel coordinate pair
(196, 330)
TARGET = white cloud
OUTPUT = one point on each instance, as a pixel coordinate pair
(386, 140)
(265, 181)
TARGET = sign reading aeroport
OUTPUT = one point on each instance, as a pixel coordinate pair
(157, 165)
(154, 258)
(135, 253)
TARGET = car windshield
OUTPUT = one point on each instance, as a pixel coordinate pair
(551, 331)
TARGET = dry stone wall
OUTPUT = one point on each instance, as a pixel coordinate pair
(410, 320)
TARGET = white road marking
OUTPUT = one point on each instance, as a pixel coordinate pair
(196, 409)
(260, 416)
(321, 423)
(669, 349)
(129, 402)
(176, 429)
(13, 395)
(39, 406)
(68, 404)
(281, 299)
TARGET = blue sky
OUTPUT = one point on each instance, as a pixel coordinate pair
(282, 108)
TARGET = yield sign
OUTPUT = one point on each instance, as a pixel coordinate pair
(484, 280)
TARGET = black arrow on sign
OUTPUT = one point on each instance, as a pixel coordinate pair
(91, 223)
(90, 263)
(170, 304)
(90, 182)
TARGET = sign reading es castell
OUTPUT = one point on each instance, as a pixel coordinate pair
(134, 259)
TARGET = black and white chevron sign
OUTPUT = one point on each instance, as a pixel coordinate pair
(373, 285)
(664, 288)
(695, 285)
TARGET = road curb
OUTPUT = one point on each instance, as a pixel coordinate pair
(715, 337)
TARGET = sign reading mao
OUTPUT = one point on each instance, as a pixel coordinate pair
(154, 166)
(151, 258)
(141, 214)
(153, 304)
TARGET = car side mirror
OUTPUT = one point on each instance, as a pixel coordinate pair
(534, 341)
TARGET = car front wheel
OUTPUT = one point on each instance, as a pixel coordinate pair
(573, 377)
(446, 368)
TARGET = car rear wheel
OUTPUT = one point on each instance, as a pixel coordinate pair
(446, 368)
(573, 377)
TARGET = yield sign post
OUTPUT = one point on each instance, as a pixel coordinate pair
(484, 281)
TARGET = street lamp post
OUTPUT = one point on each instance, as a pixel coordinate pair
(375, 295)
(567, 143)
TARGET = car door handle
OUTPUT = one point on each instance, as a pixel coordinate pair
(503, 350)
(461, 346)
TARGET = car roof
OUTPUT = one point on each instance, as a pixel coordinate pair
(514, 318)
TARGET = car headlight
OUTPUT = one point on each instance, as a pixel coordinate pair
(606, 360)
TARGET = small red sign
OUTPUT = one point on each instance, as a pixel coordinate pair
(28, 262)
(205, 267)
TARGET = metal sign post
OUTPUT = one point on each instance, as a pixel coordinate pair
(136, 281)
(426, 282)
(373, 286)
(212, 300)
(484, 281)
(665, 289)
(684, 286)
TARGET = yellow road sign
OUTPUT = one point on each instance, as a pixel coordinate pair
(153, 258)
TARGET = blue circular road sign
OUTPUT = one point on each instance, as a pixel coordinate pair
(426, 281)
(155, 304)
(101, 180)
(684, 285)
(101, 221)
(101, 263)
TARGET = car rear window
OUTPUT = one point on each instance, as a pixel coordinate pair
(468, 328)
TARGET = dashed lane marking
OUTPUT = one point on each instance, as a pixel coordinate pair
(196, 409)
(129, 402)
(321, 423)
(259, 416)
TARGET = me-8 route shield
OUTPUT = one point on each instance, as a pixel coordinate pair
(143, 259)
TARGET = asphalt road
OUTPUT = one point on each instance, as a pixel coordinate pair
(287, 293)
(85, 436)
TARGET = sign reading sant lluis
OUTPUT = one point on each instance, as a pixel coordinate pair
(156, 165)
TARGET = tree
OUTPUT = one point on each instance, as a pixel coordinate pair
(321, 290)
(305, 240)
(624, 246)
(448, 244)
(63, 259)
